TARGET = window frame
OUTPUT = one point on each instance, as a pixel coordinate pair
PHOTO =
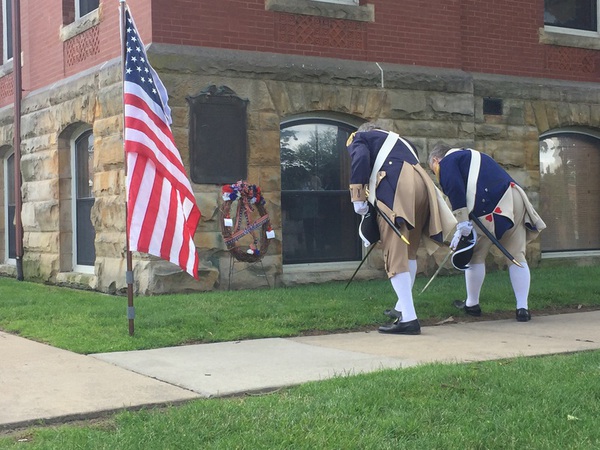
(7, 38)
(333, 120)
(576, 31)
(6, 257)
(88, 269)
(577, 253)
(78, 14)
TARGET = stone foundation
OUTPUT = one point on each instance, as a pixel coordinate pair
(425, 105)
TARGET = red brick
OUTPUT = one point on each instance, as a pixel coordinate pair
(490, 37)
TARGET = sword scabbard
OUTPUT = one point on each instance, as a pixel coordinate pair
(492, 238)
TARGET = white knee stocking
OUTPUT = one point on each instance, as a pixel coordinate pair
(520, 279)
(402, 285)
(412, 268)
(474, 277)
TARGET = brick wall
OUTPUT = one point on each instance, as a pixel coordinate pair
(47, 59)
(400, 34)
(503, 37)
(499, 37)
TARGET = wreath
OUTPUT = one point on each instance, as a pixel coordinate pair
(247, 233)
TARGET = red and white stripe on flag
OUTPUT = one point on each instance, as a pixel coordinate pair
(162, 215)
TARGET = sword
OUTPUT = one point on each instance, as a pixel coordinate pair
(360, 265)
(396, 230)
(390, 223)
(492, 238)
(442, 264)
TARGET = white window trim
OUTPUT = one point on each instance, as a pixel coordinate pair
(571, 254)
(575, 31)
(7, 260)
(78, 10)
(564, 38)
(81, 24)
(4, 35)
(76, 267)
(571, 31)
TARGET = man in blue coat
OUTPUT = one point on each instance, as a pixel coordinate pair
(476, 184)
(386, 173)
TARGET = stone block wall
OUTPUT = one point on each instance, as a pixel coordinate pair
(424, 105)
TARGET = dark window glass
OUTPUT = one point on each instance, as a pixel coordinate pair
(575, 14)
(84, 159)
(11, 207)
(319, 223)
(8, 33)
(87, 6)
(569, 192)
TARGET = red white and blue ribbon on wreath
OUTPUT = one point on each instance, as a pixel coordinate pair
(249, 200)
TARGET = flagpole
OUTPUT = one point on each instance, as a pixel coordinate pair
(129, 273)
(16, 29)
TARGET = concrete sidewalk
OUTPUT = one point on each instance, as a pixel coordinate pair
(39, 382)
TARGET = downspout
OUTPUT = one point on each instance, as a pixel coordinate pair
(16, 26)
(381, 70)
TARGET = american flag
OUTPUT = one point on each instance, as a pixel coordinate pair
(162, 214)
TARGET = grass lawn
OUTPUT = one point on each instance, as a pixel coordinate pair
(90, 322)
(548, 402)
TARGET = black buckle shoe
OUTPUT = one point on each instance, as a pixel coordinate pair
(412, 327)
(474, 311)
(393, 314)
(523, 315)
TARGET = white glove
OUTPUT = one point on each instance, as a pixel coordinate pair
(462, 229)
(465, 228)
(361, 207)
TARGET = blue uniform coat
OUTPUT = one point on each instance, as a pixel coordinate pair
(395, 181)
(493, 204)
(363, 152)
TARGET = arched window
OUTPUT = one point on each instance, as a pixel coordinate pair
(84, 254)
(318, 221)
(570, 191)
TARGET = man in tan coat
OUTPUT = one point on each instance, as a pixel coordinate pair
(386, 173)
(478, 186)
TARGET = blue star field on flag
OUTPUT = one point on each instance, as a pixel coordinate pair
(137, 68)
